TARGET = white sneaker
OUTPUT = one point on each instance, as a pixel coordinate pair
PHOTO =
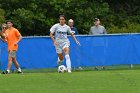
(7, 72)
(69, 71)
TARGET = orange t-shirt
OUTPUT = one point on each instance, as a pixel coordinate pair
(12, 36)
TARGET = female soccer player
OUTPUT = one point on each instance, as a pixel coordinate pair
(61, 41)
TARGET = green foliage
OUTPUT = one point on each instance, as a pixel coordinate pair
(35, 17)
(129, 28)
(2, 18)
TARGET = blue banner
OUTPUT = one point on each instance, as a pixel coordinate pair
(101, 50)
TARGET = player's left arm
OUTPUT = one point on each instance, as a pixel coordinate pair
(75, 39)
(19, 36)
(70, 32)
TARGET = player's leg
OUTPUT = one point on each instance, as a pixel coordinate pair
(68, 61)
(9, 65)
(60, 58)
(15, 62)
(10, 55)
(17, 65)
(59, 52)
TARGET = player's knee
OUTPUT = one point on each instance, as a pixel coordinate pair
(66, 51)
(9, 59)
(14, 59)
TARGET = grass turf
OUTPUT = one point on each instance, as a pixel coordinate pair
(113, 81)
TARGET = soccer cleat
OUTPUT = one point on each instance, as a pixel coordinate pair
(7, 72)
(59, 62)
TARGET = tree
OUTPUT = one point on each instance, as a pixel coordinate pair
(35, 17)
(2, 18)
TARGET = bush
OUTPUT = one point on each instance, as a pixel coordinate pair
(129, 28)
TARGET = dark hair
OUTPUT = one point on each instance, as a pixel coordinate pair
(10, 21)
(62, 16)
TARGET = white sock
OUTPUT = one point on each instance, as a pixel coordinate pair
(68, 62)
(19, 69)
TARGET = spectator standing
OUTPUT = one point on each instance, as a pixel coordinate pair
(73, 29)
(97, 28)
(13, 37)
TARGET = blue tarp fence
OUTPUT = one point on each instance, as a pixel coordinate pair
(100, 50)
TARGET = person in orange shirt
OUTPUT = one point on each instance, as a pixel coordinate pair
(13, 37)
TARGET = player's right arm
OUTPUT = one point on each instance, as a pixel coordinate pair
(52, 37)
(52, 31)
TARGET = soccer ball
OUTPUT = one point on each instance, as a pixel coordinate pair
(62, 69)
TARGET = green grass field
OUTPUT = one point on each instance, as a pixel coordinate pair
(110, 81)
